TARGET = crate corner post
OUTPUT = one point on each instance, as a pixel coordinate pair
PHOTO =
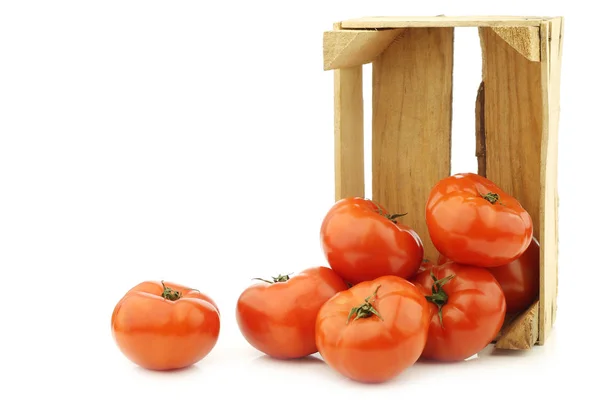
(551, 56)
(517, 108)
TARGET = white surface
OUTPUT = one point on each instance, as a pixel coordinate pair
(192, 141)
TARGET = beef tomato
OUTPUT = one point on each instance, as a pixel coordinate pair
(165, 326)
(277, 317)
(472, 221)
(467, 310)
(374, 330)
(362, 241)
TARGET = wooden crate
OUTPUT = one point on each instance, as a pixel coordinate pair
(515, 123)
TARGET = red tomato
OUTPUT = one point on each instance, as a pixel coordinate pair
(520, 279)
(472, 221)
(467, 310)
(362, 241)
(374, 330)
(165, 326)
(278, 317)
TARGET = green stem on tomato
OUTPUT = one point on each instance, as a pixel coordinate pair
(438, 296)
(365, 310)
(276, 279)
(493, 198)
(391, 217)
(170, 293)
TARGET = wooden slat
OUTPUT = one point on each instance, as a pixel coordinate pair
(412, 113)
(551, 69)
(349, 48)
(349, 135)
(525, 39)
(439, 21)
(513, 121)
(480, 130)
(522, 332)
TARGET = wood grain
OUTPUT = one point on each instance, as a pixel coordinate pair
(349, 48)
(522, 332)
(552, 32)
(439, 21)
(349, 133)
(412, 113)
(480, 129)
(513, 121)
(524, 39)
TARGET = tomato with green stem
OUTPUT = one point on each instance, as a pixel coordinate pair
(472, 221)
(362, 241)
(277, 317)
(165, 326)
(373, 331)
(467, 310)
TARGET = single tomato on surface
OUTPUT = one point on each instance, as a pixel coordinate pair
(362, 241)
(467, 310)
(165, 326)
(375, 330)
(278, 317)
(472, 221)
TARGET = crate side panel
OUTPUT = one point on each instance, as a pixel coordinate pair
(383, 22)
(513, 121)
(551, 62)
(412, 113)
(349, 133)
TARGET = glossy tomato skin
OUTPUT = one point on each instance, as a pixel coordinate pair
(471, 318)
(468, 229)
(520, 279)
(442, 259)
(373, 350)
(160, 334)
(360, 243)
(278, 319)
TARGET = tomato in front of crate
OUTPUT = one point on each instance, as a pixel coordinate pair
(467, 310)
(277, 317)
(472, 221)
(165, 326)
(519, 279)
(373, 331)
(362, 241)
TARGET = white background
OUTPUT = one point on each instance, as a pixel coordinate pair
(193, 141)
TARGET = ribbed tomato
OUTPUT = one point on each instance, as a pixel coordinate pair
(362, 241)
(474, 222)
(467, 309)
